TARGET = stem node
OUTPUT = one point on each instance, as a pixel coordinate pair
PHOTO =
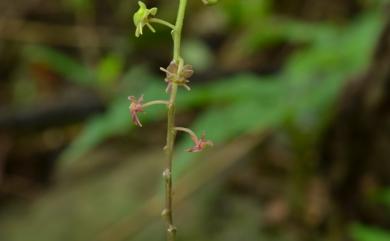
(167, 174)
(172, 229)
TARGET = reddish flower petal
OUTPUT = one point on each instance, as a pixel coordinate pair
(135, 119)
(135, 108)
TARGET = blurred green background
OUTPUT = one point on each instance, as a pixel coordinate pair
(292, 92)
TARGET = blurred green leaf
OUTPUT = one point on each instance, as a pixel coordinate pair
(365, 233)
(109, 69)
(197, 54)
(25, 91)
(383, 196)
(79, 5)
(63, 64)
(245, 12)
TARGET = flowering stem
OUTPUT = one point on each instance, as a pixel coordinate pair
(162, 22)
(171, 132)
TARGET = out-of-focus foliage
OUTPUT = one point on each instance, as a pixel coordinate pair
(364, 233)
(78, 5)
(64, 65)
(383, 197)
(301, 93)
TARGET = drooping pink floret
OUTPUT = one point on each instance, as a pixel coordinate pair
(135, 108)
(200, 144)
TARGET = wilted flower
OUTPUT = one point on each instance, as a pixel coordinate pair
(135, 108)
(173, 75)
(200, 144)
(141, 18)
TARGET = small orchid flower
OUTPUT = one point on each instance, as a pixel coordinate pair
(180, 77)
(135, 108)
(200, 144)
(142, 17)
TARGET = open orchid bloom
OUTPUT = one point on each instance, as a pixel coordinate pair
(135, 108)
(173, 75)
(200, 144)
(141, 18)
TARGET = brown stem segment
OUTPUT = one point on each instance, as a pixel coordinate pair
(167, 174)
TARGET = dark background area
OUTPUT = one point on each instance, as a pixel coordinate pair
(295, 95)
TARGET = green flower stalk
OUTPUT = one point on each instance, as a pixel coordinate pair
(177, 74)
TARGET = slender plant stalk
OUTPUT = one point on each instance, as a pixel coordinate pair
(171, 132)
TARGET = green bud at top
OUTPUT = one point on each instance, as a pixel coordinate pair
(141, 18)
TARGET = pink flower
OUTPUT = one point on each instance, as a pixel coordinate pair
(200, 144)
(135, 108)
